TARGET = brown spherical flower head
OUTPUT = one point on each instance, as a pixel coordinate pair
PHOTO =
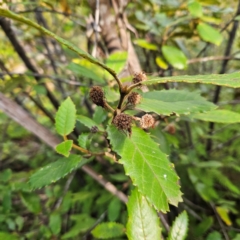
(147, 121)
(123, 122)
(134, 98)
(97, 96)
(94, 129)
(139, 77)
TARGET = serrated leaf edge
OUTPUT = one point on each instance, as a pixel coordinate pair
(181, 214)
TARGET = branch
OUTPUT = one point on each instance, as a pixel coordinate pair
(211, 58)
(14, 111)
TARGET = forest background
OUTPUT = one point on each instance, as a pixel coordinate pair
(44, 195)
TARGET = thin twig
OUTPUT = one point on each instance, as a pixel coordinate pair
(66, 187)
(211, 58)
(96, 29)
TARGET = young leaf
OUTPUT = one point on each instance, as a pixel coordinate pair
(108, 230)
(161, 63)
(219, 116)
(31, 201)
(147, 166)
(55, 223)
(175, 57)
(64, 147)
(195, 8)
(228, 80)
(66, 117)
(54, 171)
(143, 222)
(145, 44)
(82, 140)
(114, 209)
(209, 34)
(223, 213)
(174, 101)
(179, 228)
(83, 222)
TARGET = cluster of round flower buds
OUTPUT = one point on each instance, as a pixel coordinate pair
(147, 121)
(97, 96)
(139, 77)
(134, 98)
(123, 122)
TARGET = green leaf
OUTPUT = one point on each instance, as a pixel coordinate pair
(161, 63)
(8, 236)
(64, 148)
(88, 122)
(108, 230)
(145, 44)
(174, 101)
(55, 223)
(147, 166)
(7, 201)
(218, 116)
(20, 222)
(114, 209)
(195, 8)
(175, 57)
(143, 222)
(117, 61)
(6, 175)
(99, 115)
(203, 227)
(82, 140)
(223, 213)
(209, 164)
(9, 14)
(85, 71)
(66, 117)
(228, 80)
(83, 222)
(179, 228)
(214, 236)
(54, 171)
(209, 34)
(237, 237)
(31, 201)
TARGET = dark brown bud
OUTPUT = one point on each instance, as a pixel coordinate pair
(139, 77)
(97, 96)
(147, 121)
(170, 128)
(94, 129)
(123, 122)
(134, 98)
